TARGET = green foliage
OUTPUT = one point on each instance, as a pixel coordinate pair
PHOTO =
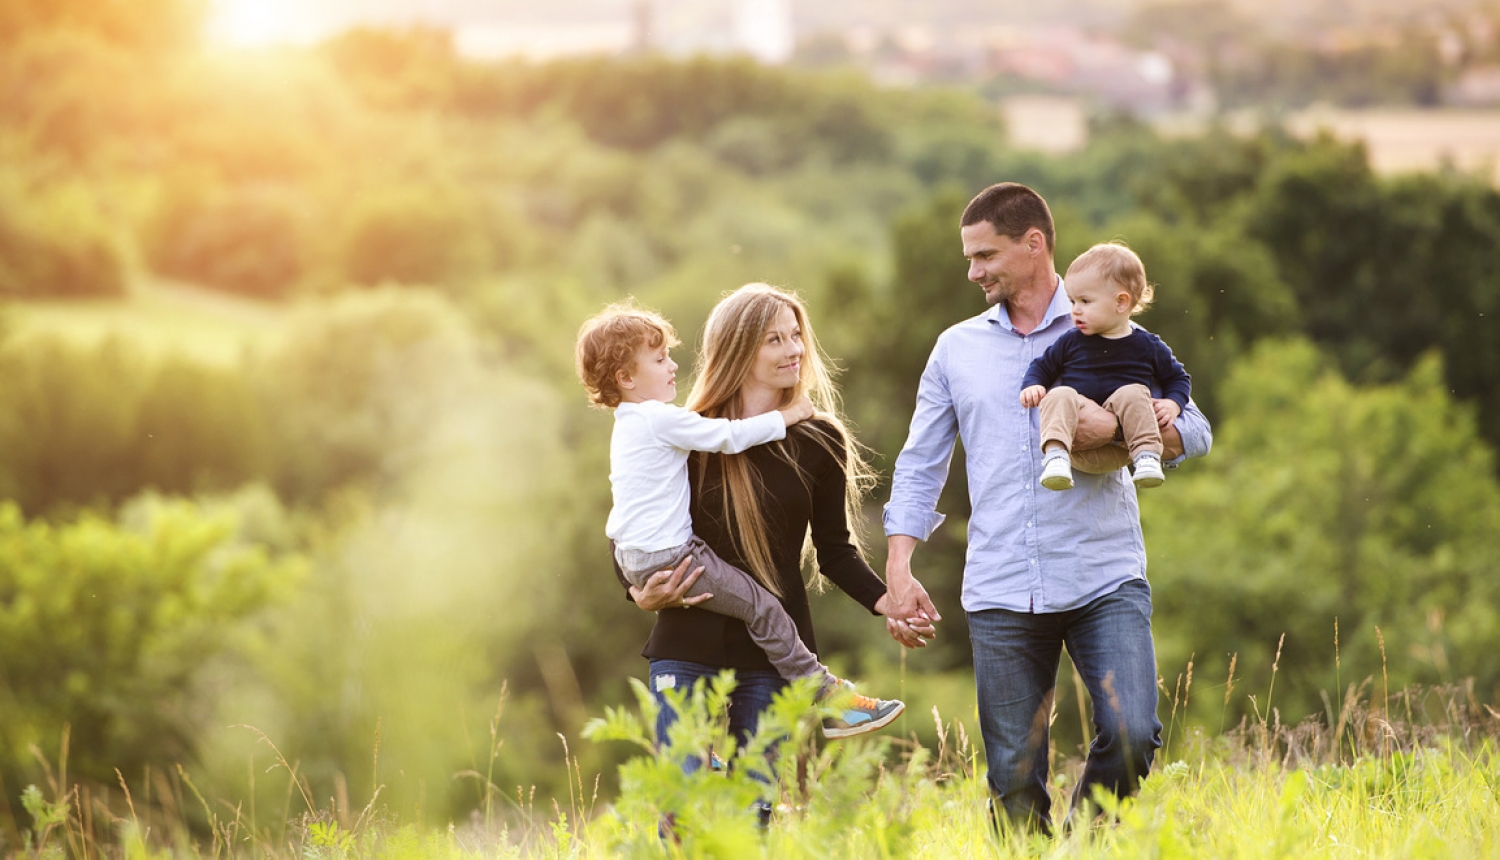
(706, 785)
(355, 388)
(415, 235)
(63, 109)
(96, 425)
(1197, 180)
(1356, 521)
(107, 629)
(252, 240)
(411, 68)
(1408, 250)
(56, 242)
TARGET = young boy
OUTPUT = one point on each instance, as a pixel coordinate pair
(623, 361)
(1111, 361)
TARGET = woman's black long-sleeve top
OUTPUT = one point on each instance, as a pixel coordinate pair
(790, 506)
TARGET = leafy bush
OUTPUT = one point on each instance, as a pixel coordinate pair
(357, 386)
(83, 425)
(105, 629)
(62, 106)
(56, 243)
(709, 809)
(251, 240)
(411, 235)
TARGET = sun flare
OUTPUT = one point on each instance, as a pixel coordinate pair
(252, 23)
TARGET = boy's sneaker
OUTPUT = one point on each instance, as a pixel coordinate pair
(1148, 471)
(1057, 472)
(858, 714)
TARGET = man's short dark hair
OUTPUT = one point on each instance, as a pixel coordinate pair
(1012, 209)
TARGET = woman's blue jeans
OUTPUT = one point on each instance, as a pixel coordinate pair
(752, 694)
(1016, 659)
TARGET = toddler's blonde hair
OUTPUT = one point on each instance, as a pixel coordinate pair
(1120, 266)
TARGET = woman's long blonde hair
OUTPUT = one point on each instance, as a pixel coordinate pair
(732, 340)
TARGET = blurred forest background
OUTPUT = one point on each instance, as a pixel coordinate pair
(291, 447)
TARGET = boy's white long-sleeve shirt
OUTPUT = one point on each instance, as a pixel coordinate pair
(648, 473)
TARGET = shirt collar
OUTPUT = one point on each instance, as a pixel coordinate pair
(1060, 306)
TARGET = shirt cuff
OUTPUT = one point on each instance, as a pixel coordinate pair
(916, 523)
(1197, 437)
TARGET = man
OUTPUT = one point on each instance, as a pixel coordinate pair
(1044, 570)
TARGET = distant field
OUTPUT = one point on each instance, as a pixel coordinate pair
(162, 317)
(1402, 141)
(1053, 124)
(1398, 140)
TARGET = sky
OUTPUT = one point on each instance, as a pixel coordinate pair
(249, 23)
(494, 27)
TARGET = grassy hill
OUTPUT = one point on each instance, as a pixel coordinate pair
(162, 317)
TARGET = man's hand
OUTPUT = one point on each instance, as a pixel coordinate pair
(1166, 412)
(667, 589)
(1171, 442)
(1096, 426)
(911, 632)
(910, 615)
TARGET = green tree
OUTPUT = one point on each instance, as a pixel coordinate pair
(1326, 504)
(414, 67)
(412, 235)
(202, 429)
(68, 422)
(352, 394)
(95, 425)
(1384, 270)
(251, 240)
(56, 243)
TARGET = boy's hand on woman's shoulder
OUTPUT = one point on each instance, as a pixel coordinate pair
(800, 409)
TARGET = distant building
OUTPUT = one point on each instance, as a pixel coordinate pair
(1069, 60)
(1476, 87)
(762, 29)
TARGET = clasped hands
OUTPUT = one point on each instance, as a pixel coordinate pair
(910, 617)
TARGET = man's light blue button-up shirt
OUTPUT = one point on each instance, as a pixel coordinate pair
(1030, 549)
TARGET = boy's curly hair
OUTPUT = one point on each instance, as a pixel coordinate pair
(608, 342)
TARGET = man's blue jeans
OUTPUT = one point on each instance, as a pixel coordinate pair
(1016, 659)
(752, 694)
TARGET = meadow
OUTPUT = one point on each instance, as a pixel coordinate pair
(1373, 784)
(165, 317)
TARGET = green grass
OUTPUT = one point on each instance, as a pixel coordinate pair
(162, 316)
(1381, 790)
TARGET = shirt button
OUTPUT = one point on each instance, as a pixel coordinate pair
(1028, 525)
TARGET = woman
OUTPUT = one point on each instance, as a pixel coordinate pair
(755, 509)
